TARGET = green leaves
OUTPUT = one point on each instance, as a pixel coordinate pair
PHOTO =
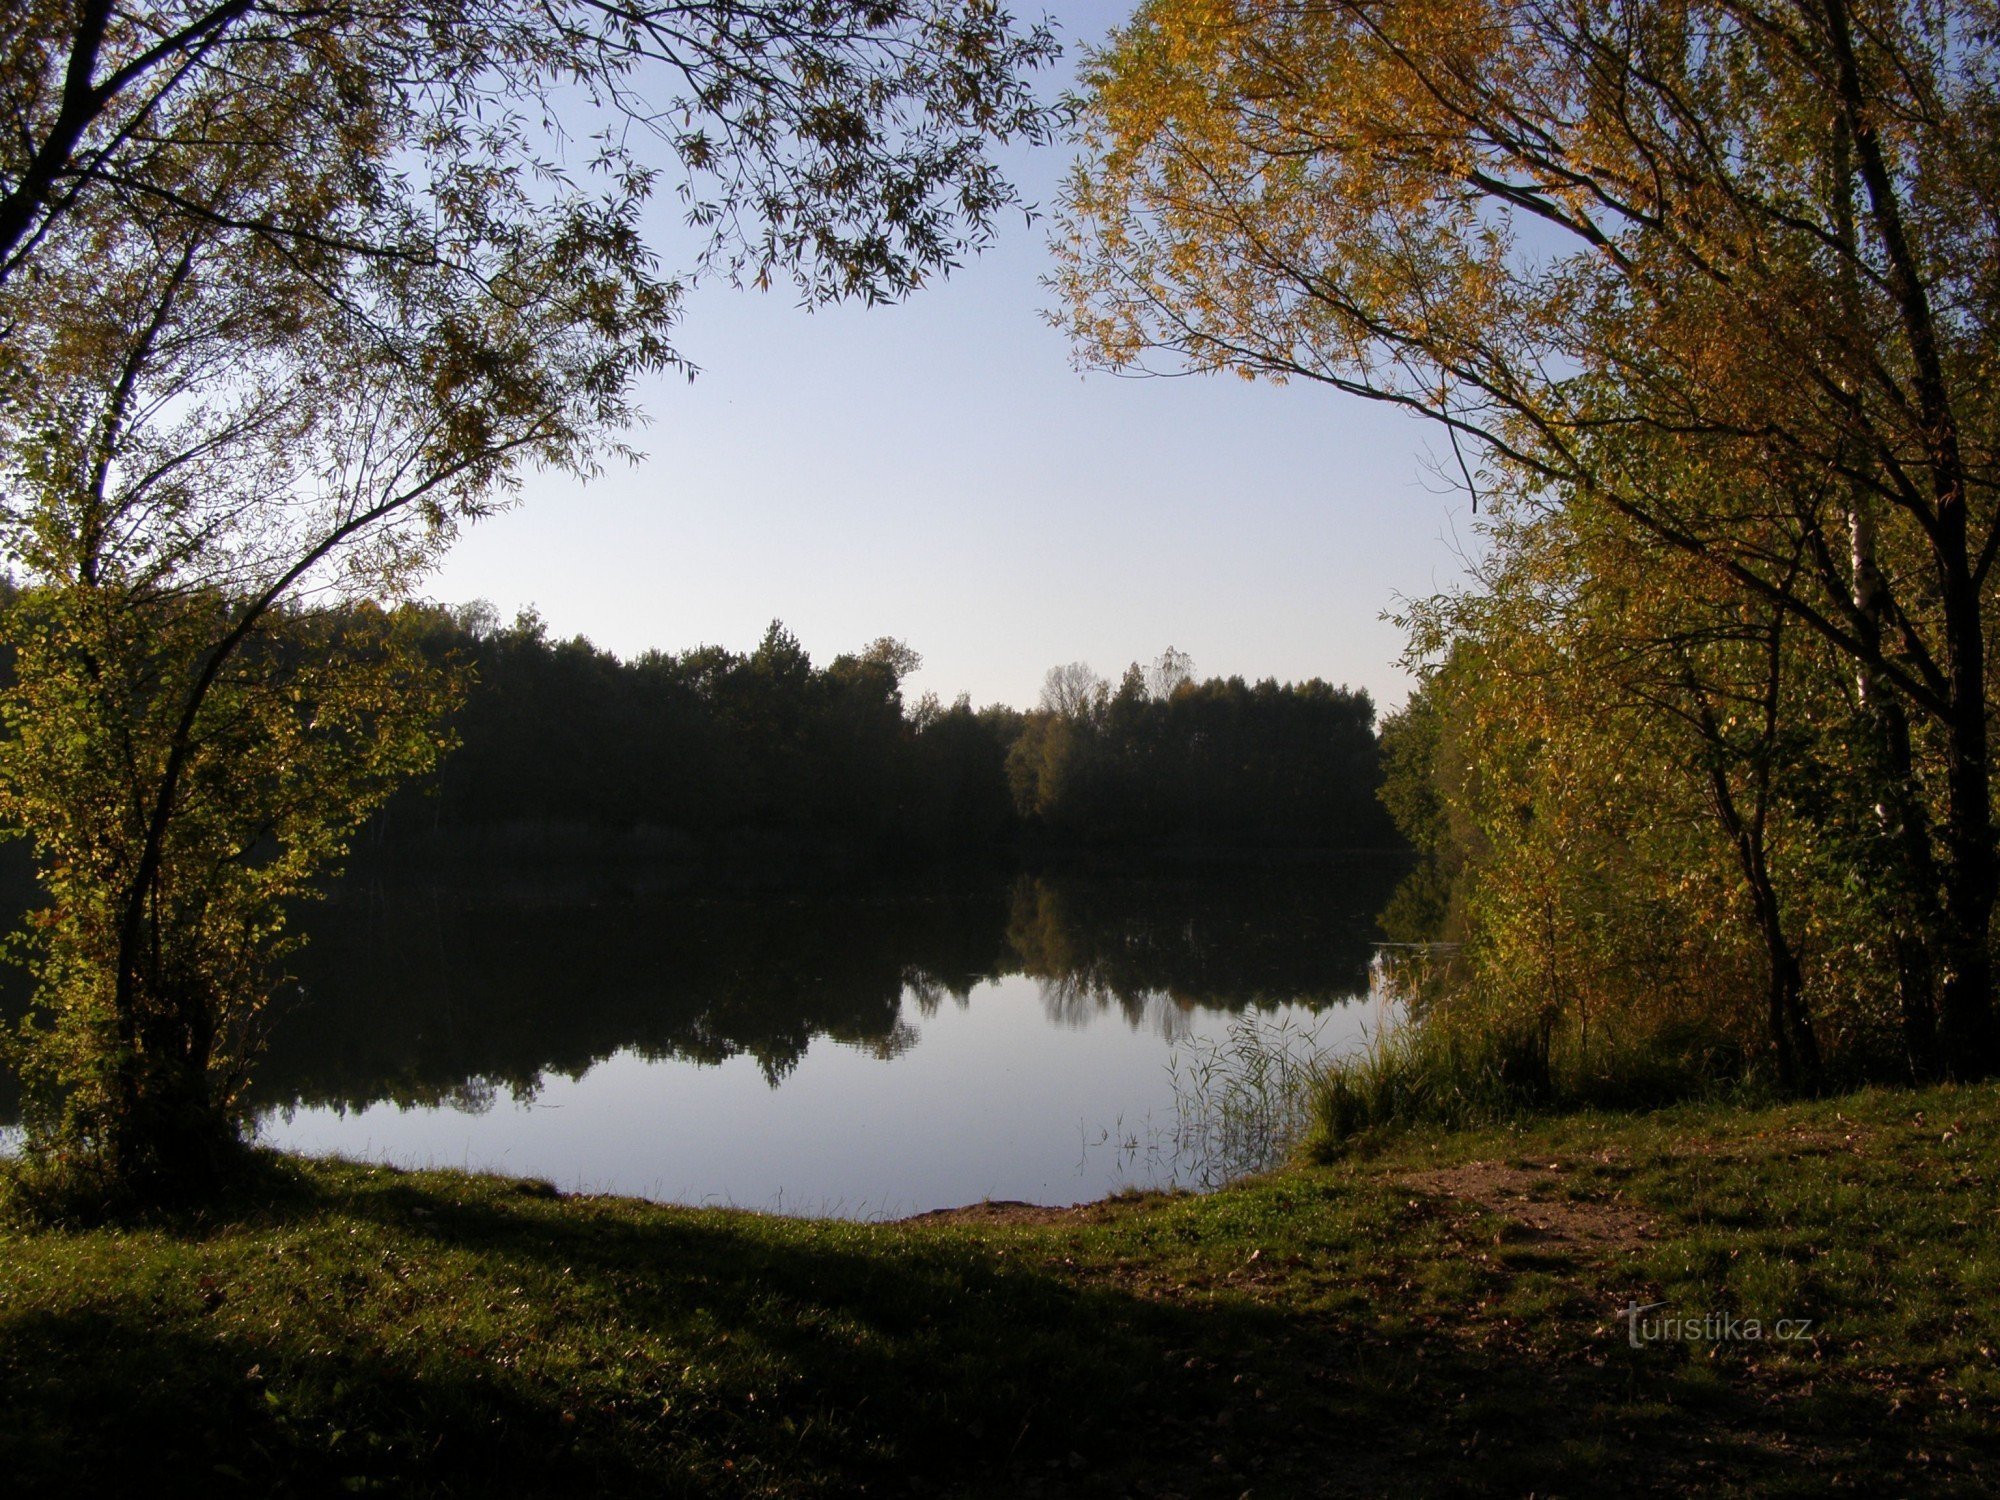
(286, 297)
(310, 724)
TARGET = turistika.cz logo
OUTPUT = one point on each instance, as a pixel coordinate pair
(1709, 1328)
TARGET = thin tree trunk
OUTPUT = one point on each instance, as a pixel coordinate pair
(1910, 897)
(1965, 1001)
(1793, 1042)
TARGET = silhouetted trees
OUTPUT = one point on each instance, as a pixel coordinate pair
(767, 756)
(1169, 760)
(707, 743)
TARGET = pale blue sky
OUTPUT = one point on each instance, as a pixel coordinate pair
(939, 471)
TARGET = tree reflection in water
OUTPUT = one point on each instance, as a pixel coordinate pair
(421, 996)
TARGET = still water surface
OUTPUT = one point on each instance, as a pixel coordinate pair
(872, 1055)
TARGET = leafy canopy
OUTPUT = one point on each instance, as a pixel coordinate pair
(287, 296)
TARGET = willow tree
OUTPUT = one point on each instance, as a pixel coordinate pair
(1724, 270)
(286, 298)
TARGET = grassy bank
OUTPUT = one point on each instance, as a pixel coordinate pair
(1465, 1076)
(1439, 1316)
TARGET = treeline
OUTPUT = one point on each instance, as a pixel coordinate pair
(767, 756)
(703, 743)
(1166, 758)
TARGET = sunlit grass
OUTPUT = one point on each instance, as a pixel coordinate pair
(1457, 1076)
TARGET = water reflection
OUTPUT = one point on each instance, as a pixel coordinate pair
(1156, 950)
(436, 999)
(875, 1051)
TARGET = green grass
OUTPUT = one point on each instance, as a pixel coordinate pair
(1459, 1075)
(1353, 1328)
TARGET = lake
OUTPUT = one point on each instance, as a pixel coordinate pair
(875, 1053)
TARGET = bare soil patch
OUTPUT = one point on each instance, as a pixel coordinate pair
(1013, 1211)
(993, 1211)
(1527, 1197)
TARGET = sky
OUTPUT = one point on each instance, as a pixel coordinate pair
(941, 472)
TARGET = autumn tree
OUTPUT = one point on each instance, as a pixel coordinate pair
(1073, 691)
(1723, 271)
(1587, 693)
(288, 297)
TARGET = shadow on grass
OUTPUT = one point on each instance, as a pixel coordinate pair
(116, 1404)
(492, 1341)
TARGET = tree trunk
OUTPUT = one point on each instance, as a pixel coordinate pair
(1909, 899)
(1793, 1042)
(1965, 1001)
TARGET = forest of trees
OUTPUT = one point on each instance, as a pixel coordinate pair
(1702, 300)
(755, 761)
